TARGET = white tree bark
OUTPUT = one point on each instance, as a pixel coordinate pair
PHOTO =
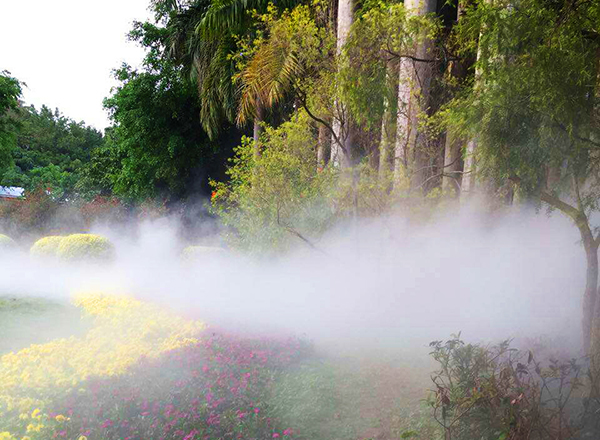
(341, 155)
(453, 149)
(453, 164)
(414, 93)
(388, 122)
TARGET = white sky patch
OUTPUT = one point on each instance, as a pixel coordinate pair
(65, 51)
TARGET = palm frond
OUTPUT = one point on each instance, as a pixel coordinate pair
(268, 77)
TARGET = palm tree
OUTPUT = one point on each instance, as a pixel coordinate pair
(290, 60)
(266, 79)
(203, 37)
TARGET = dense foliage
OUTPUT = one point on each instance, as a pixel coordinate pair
(272, 198)
(50, 151)
(10, 91)
(157, 146)
(501, 393)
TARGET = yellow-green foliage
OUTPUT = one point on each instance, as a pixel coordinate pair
(86, 247)
(46, 247)
(194, 252)
(279, 191)
(6, 242)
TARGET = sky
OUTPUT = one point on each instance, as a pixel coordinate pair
(65, 50)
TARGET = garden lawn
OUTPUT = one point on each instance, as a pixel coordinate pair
(29, 320)
(138, 372)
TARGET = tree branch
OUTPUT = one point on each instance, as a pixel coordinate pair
(322, 121)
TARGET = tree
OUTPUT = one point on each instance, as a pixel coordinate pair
(290, 57)
(415, 101)
(50, 151)
(10, 92)
(157, 146)
(535, 107)
(204, 38)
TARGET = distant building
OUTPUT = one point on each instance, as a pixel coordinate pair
(11, 192)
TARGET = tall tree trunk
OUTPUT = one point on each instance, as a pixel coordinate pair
(453, 164)
(468, 178)
(414, 95)
(469, 181)
(257, 130)
(402, 155)
(595, 347)
(342, 154)
(388, 122)
(453, 149)
(323, 147)
(590, 296)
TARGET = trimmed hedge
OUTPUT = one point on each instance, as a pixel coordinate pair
(47, 246)
(6, 242)
(85, 247)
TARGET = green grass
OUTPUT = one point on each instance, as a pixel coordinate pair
(28, 320)
(350, 398)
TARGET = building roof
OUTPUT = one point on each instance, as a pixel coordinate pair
(11, 192)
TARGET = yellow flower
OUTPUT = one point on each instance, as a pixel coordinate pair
(123, 330)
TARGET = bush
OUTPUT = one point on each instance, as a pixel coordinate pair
(501, 393)
(6, 242)
(270, 200)
(46, 247)
(86, 247)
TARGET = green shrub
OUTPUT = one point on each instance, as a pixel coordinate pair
(85, 247)
(6, 242)
(46, 247)
(270, 199)
(500, 393)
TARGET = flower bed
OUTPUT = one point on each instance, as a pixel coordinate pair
(141, 373)
(217, 389)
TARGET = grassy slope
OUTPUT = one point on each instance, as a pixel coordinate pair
(25, 321)
(350, 398)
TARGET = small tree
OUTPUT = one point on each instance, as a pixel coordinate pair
(10, 92)
(278, 196)
(535, 113)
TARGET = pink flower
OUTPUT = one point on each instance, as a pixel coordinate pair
(288, 432)
(256, 410)
(191, 435)
(275, 435)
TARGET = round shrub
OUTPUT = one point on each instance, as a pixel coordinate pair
(197, 252)
(85, 247)
(6, 243)
(46, 247)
